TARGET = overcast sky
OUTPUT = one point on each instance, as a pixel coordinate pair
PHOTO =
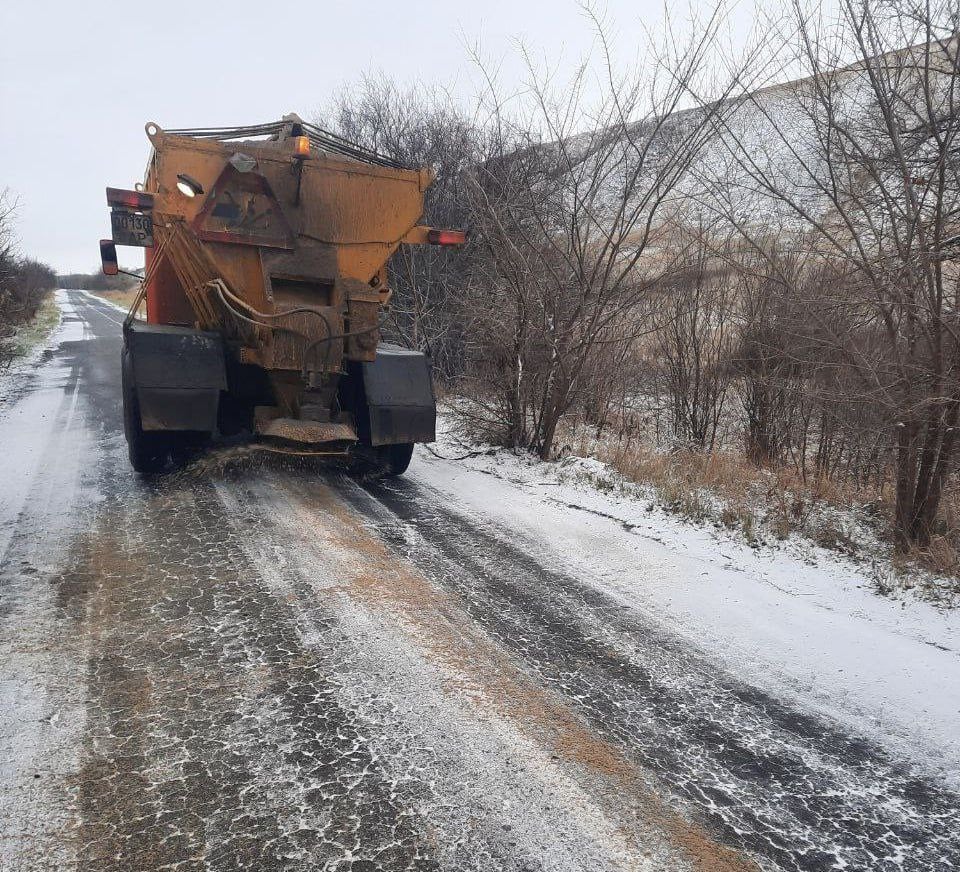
(79, 80)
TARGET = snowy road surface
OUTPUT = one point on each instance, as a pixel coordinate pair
(283, 668)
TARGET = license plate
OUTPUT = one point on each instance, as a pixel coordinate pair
(131, 228)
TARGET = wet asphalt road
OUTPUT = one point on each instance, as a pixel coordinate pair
(259, 666)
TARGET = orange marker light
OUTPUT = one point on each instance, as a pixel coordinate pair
(446, 237)
(301, 146)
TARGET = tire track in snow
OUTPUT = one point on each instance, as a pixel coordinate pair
(499, 760)
(584, 771)
(796, 791)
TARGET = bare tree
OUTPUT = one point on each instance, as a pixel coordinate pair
(572, 209)
(860, 157)
(691, 316)
(8, 251)
(770, 361)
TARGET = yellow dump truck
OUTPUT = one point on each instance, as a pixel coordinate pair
(265, 282)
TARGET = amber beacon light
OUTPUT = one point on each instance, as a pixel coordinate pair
(301, 146)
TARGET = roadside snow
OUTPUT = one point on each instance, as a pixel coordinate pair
(45, 495)
(802, 623)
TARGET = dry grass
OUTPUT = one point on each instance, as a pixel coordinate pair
(764, 504)
(941, 556)
(28, 336)
(685, 480)
(722, 486)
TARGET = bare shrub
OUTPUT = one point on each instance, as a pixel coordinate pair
(95, 280)
(23, 282)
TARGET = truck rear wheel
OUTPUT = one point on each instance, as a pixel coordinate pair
(395, 458)
(148, 451)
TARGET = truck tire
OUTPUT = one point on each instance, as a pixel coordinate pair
(395, 459)
(148, 451)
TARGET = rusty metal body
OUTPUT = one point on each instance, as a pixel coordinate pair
(280, 247)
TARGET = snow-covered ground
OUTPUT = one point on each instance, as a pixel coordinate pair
(493, 662)
(804, 624)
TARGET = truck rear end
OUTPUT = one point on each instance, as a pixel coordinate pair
(265, 283)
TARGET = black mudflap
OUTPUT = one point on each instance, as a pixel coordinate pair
(398, 404)
(179, 373)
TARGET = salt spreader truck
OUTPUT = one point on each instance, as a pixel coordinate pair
(265, 280)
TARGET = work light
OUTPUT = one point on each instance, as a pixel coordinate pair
(188, 186)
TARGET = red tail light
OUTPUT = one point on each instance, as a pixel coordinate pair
(446, 237)
(129, 199)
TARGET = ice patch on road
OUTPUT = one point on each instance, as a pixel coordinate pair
(73, 326)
